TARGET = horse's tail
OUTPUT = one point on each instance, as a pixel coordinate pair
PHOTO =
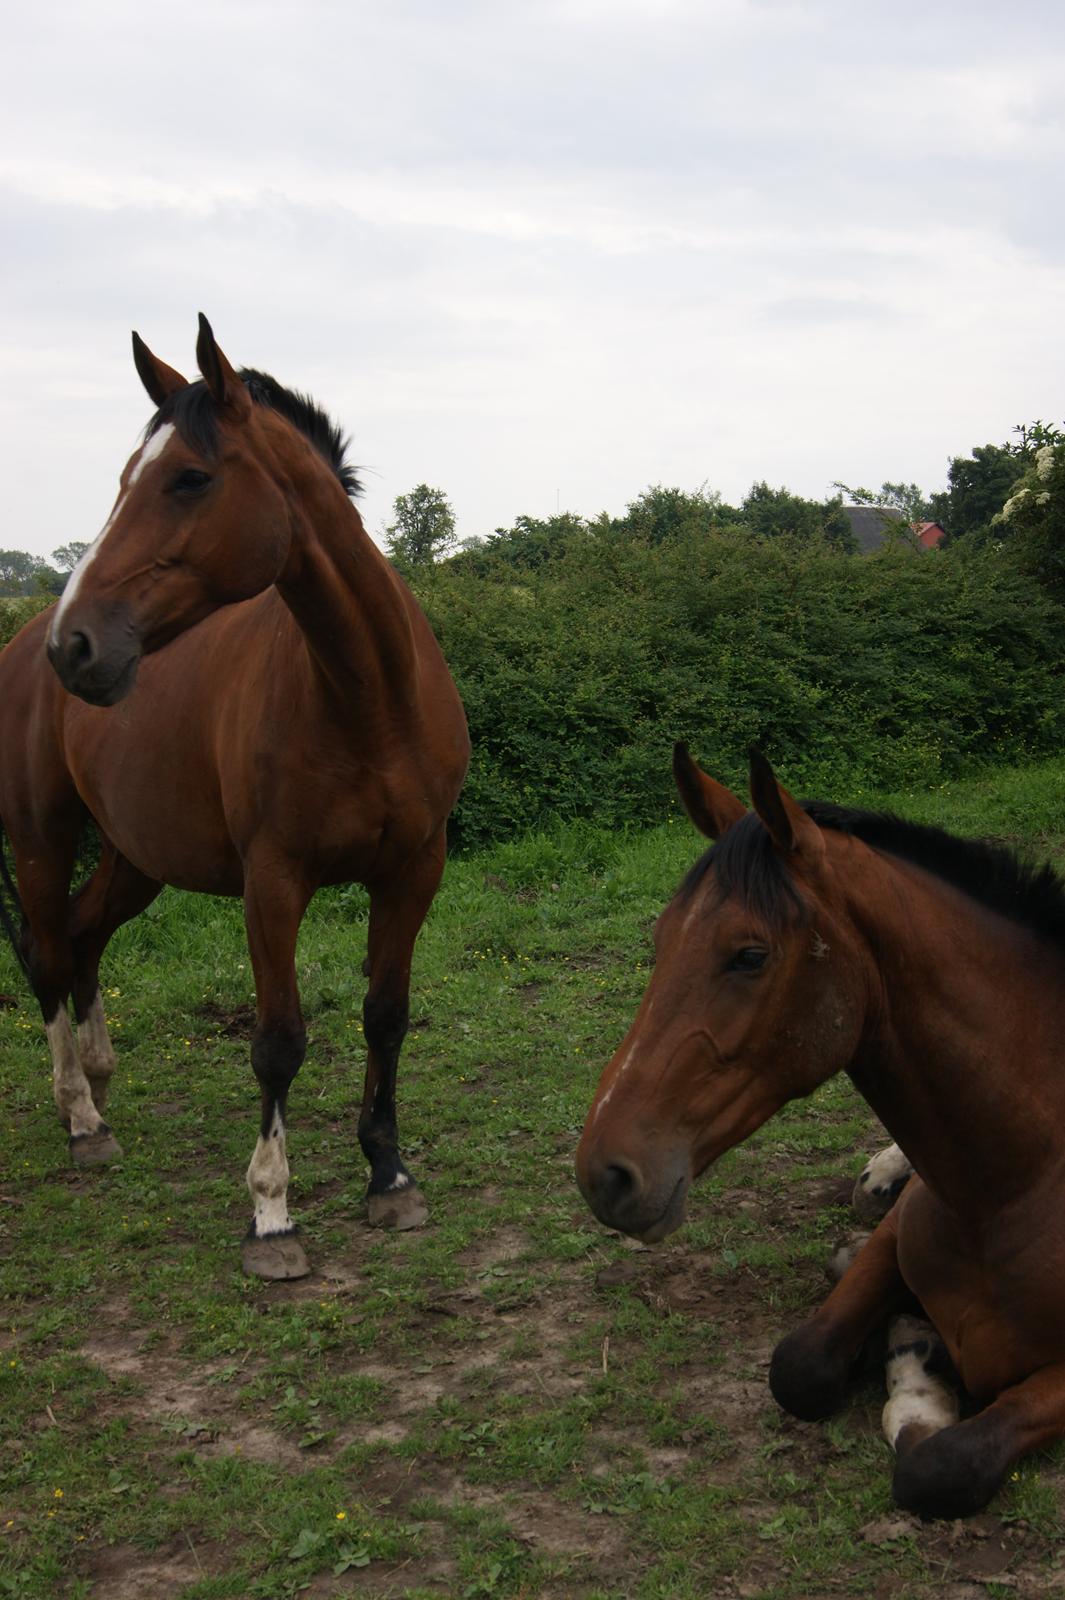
(12, 916)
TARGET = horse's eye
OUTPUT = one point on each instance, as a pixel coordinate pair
(750, 959)
(191, 481)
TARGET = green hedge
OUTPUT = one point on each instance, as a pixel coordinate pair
(16, 611)
(894, 669)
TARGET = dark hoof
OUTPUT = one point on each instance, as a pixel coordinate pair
(278, 1255)
(804, 1379)
(94, 1149)
(952, 1474)
(399, 1208)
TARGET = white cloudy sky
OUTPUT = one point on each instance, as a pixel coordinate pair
(536, 253)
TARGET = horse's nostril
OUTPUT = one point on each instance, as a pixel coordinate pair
(620, 1183)
(79, 651)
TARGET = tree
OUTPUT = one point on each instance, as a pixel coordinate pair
(660, 515)
(67, 556)
(18, 572)
(1033, 518)
(771, 512)
(978, 485)
(423, 529)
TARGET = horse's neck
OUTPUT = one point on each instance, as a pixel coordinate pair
(963, 1059)
(349, 604)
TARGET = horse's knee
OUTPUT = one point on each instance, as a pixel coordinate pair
(806, 1376)
(954, 1473)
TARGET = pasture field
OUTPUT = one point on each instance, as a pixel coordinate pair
(509, 1402)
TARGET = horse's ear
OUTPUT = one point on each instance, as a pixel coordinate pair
(159, 379)
(711, 806)
(787, 824)
(224, 384)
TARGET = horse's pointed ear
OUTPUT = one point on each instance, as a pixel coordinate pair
(159, 379)
(223, 382)
(787, 824)
(711, 806)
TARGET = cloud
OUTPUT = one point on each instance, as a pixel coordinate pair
(537, 250)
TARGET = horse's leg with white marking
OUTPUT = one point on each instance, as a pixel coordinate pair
(921, 1399)
(397, 912)
(955, 1471)
(115, 893)
(274, 903)
(880, 1183)
(810, 1369)
(43, 880)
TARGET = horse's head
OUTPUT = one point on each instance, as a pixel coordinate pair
(756, 998)
(199, 522)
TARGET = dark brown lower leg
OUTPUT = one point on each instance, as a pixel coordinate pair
(957, 1471)
(274, 903)
(810, 1369)
(396, 915)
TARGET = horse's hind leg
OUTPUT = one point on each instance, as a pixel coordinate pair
(956, 1471)
(397, 911)
(810, 1369)
(114, 894)
(880, 1183)
(43, 874)
(923, 1389)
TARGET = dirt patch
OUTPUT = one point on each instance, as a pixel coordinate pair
(467, 1353)
(122, 1572)
(232, 1022)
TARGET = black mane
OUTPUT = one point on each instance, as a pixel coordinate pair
(745, 863)
(192, 412)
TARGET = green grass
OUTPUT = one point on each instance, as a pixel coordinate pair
(509, 1402)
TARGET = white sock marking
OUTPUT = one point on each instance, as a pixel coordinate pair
(70, 1086)
(268, 1181)
(154, 447)
(880, 1182)
(95, 1052)
(915, 1394)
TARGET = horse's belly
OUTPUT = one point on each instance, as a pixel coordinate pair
(999, 1310)
(154, 796)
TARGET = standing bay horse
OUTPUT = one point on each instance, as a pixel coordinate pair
(812, 940)
(299, 728)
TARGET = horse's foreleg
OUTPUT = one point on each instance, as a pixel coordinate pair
(273, 909)
(956, 1471)
(397, 911)
(810, 1368)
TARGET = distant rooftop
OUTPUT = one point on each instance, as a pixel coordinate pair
(868, 525)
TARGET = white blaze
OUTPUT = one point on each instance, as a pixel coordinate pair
(148, 453)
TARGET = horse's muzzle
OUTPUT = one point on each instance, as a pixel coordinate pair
(624, 1197)
(97, 664)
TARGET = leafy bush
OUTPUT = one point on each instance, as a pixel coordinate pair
(899, 668)
(16, 611)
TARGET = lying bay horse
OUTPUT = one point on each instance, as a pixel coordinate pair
(247, 701)
(812, 940)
